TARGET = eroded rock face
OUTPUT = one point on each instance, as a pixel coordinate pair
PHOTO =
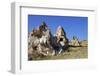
(61, 39)
(42, 43)
(39, 42)
(75, 42)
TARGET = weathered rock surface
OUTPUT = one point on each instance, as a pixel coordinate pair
(61, 39)
(39, 42)
(75, 42)
(42, 43)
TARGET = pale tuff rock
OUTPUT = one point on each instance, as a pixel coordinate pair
(39, 41)
(61, 39)
(33, 41)
(61, 36)
(75, 42)
(60, 31)
(44, 50)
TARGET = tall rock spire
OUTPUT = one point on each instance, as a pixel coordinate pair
(61, 37)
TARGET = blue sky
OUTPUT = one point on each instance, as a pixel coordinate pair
(73, 25)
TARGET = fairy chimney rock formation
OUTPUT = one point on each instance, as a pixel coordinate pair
(61, 36)
(75, 42)
(39, 41)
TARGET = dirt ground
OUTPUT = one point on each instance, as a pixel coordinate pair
(74, 53)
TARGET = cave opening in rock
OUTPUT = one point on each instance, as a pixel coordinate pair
(61, 39)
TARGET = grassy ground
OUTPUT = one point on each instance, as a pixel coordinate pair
(74, 53)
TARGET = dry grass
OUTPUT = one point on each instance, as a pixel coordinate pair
(74, 53)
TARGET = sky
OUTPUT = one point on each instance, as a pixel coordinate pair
(73, 25)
